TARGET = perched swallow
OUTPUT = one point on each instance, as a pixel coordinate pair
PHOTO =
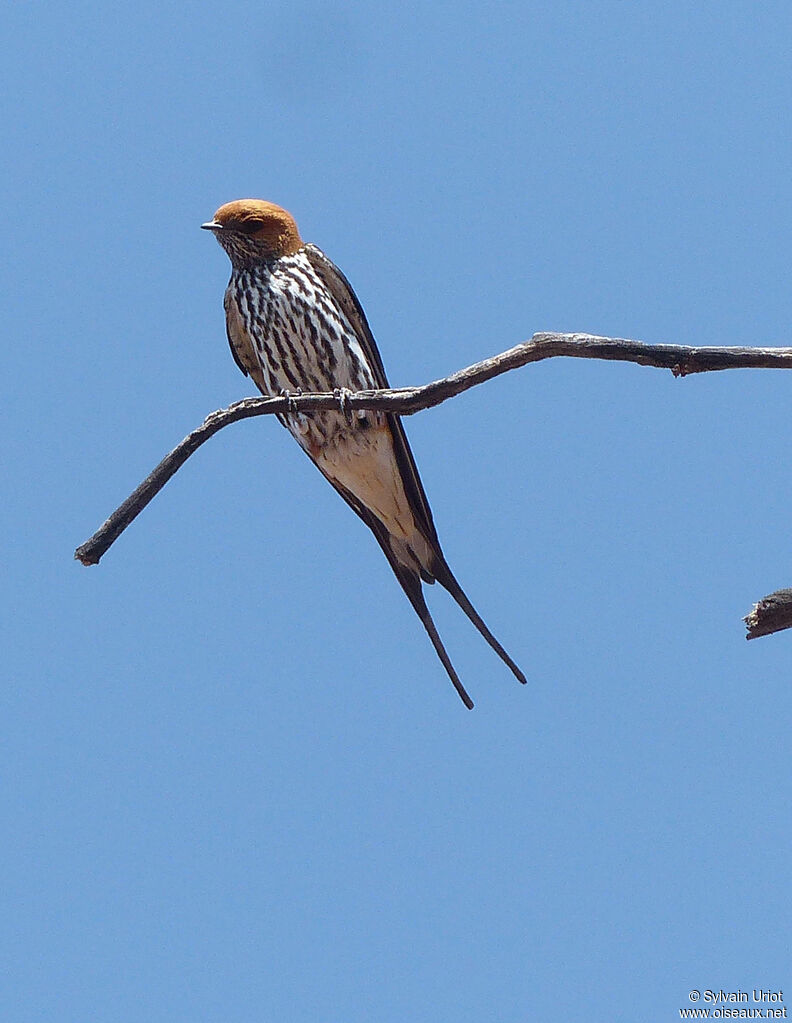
(295, 324)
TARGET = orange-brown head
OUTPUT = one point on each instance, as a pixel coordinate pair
(253, 230)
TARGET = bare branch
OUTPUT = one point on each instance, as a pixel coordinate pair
(771, 614)
(682, 360)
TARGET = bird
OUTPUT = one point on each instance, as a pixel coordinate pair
(294, 324)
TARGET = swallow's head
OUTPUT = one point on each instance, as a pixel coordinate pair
(253, 230)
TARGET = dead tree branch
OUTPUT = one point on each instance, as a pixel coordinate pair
(771, 614)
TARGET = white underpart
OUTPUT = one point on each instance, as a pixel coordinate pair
(365, 464)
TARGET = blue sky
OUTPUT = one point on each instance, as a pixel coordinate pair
(236, 783)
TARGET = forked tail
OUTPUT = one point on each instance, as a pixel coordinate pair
(446, 578)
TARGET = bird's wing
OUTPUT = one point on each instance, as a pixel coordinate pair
(347, 301)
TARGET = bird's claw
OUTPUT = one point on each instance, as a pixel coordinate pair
(290, 396)
(342, 396)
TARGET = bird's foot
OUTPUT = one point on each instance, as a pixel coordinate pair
(290, 396)
(342, 396)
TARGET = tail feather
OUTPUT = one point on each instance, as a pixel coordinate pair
(411, 584)
(429, 625)
(446, 578)
(415, 597)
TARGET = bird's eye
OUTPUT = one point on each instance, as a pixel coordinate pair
(251, 226)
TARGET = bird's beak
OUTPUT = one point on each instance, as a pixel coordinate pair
(212, 226)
